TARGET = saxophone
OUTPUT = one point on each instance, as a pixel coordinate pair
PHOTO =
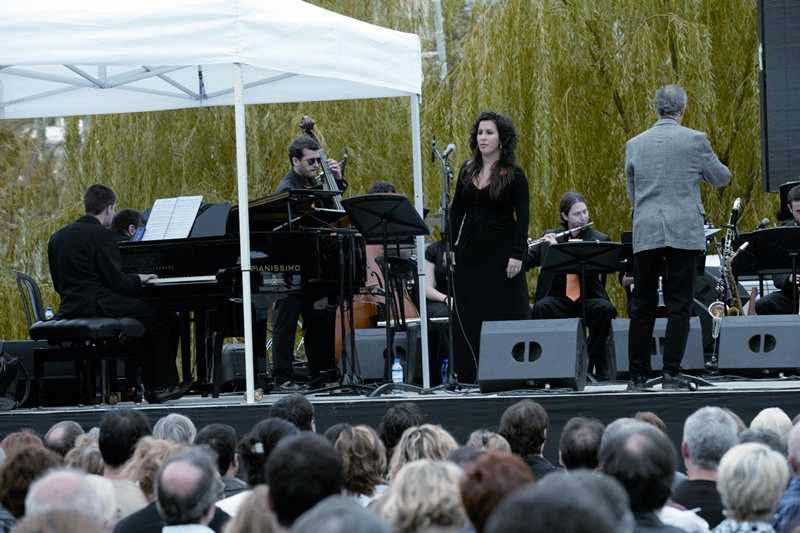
(724, 306)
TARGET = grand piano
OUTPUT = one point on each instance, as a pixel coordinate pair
(293, 250)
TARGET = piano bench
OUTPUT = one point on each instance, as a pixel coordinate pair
(90, 342)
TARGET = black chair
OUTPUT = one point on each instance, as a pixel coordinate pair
(91, 342)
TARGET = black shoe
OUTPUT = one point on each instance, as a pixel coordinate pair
(169, 393)
(131, 394)
(289, 386)
(678, 381)
(637, 383)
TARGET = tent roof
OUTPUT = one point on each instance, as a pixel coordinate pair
(95, 57)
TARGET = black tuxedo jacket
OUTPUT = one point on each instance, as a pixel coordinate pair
(87, 271)
(555, 284)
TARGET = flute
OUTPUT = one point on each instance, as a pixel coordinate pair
(560, 234)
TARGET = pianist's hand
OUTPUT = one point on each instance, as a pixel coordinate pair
(145, 277)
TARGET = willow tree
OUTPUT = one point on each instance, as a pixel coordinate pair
(577, 77)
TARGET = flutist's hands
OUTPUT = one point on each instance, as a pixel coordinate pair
(514, 267)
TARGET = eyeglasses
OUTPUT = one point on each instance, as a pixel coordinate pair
(312, 160)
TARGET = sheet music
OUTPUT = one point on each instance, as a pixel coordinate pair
(172, 218)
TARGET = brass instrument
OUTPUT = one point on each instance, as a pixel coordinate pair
(531, 244)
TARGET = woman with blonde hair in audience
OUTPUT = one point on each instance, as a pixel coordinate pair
(421, 442)
(424, 493)
(364, 461)
(143, 466)
(751, 479)
(86, 456)
(253, 515)
(777, 420)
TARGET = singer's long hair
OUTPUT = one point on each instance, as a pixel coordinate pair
(503, 171)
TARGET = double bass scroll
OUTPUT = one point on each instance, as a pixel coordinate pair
(307, 125)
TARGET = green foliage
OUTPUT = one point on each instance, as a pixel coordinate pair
(576, 76)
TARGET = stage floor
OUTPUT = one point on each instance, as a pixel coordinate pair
(460, 412)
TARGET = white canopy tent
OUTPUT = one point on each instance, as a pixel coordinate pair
(98, 57)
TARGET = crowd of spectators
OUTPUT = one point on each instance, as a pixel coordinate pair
(405, 476)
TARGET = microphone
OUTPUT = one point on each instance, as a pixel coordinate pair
(450, 149)
(764, 224)
(433, 148)
(343, 162)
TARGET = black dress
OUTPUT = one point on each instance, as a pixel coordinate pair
(491, 231)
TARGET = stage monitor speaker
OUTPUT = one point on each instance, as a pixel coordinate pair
(693, 359)
(232, 373)
(759, 345)
(59, 376)
(371, 351)
(520, 354)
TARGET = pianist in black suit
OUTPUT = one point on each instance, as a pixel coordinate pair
(558, 295)
(87, 274)
(317, 325)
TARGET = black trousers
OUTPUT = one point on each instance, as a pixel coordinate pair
(775, 303)
(678, 289)
(599, 314)
(159, 369)
(317, 334)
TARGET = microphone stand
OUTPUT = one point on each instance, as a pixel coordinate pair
(452, 377)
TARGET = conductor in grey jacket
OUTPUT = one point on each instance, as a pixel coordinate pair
(664, 167)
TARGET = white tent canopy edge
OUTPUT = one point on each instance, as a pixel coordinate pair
(92, 57)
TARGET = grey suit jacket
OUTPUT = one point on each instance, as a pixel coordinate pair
(664, 167)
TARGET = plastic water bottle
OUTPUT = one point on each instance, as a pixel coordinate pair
(445, 368)
(397, 375)
(48, 313)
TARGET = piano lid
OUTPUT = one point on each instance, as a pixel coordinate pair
(275, 210)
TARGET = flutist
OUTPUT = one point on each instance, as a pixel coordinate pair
(558, 295)
(781, 302)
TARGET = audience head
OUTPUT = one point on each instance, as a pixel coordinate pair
(764, 436)
(488, 441)
(62, 435)
(147, 459)
(421, 442)
(595, 504)
(60, 521)
(296, 409)
(302, 470)
(175, 428)
(777, 420)
(740, 425)
(750, 480)
(20, 439)
(524, 425)
(336, 514)
(793, 450)
(333, 432)
(120, 431)
(464, 455)
(63, 489)
(22, 467)
(381, 186)
(651, 418)
(489, 479)
(398, 418)
(363, 459)
(253, 514)
(257, 445)
(85, 456)
(642, 459)
(424, 493)
(579, 446)
(187, 487)
(708, 433)
(222, 439)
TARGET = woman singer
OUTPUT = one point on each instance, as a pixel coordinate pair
(489, 218)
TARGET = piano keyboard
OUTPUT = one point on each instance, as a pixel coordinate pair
(180, 279)
(435, 320)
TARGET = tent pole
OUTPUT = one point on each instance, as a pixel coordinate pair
(416, 148)
(244, 230)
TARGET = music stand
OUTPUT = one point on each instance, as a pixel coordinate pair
(582, 257)
(776, 252)
(386, 215)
